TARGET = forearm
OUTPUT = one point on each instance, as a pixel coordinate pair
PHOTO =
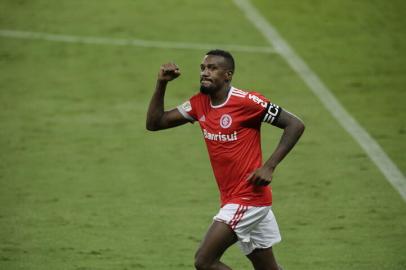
(289, 138)
(156, 106)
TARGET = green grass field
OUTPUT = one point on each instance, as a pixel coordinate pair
(83, 185)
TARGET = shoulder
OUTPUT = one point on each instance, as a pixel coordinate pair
(257, 98)
(250, 98)
(199, 97)
(190, 108)
(197, 102)
(238, 93)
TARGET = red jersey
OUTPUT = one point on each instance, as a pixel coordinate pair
(232, 134)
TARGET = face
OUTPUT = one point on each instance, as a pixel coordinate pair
(213, 74)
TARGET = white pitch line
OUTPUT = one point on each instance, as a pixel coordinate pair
(132, 42)
(370, 146)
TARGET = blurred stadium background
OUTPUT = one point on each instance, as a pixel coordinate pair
(83, 185)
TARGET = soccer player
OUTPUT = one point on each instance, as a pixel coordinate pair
(230, 120)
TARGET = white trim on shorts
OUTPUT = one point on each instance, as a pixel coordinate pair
(255, 227)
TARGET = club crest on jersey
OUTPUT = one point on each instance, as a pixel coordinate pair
(225, 121)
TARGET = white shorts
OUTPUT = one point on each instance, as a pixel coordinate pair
(255, 227)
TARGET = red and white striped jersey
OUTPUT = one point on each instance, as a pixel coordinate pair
(232, 134)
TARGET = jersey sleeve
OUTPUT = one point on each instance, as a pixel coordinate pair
(260, 109)
(189, 109)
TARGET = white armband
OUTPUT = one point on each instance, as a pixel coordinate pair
(184, 110)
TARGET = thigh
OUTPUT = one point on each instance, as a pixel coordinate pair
(218, 238)
(263, 259)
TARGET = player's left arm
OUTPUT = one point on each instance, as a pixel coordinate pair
(293, 128)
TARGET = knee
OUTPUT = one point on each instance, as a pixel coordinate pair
(201, 265)
(202, 262)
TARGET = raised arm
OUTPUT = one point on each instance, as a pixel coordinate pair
(157, 117)
(293, 128)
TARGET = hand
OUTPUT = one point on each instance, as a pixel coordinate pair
(168, 72)
(261, 176)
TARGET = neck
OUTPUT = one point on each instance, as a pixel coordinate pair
(220, 96)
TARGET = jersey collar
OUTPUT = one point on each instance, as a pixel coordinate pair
(225, 102)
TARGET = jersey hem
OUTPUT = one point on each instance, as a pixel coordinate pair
(245, 203)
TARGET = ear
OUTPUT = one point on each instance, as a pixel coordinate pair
(229, 75)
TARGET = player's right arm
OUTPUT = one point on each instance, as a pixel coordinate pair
(157, 117)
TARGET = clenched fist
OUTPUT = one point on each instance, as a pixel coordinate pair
(168, 72)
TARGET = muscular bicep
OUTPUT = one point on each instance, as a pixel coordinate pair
(172, 118)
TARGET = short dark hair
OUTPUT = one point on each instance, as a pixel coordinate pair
(226, 55)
